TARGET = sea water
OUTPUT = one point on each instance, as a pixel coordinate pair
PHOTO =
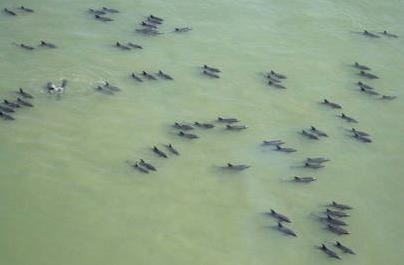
(67, 196)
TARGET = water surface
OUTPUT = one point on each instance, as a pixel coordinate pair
(68, 197)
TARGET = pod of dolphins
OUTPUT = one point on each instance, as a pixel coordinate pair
(19, 10)
(150, 26)
(102, 13)
(149, 76)
(376, 35)
(210, 71)
(330, 220)
(275, 79)
(183, 131)
(42, 44)
(7, 107)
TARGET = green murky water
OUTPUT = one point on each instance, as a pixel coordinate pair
(68, 197)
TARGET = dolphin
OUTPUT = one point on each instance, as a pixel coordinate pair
(211, 69)
(304, 179)
(24, 103)
(280, 217)
(344, 248)
(140, 168)
(309, 135)
(185, 29)
(285, 149)
(236, 127)
(370, 34)
(171, 148)
(318, 160)
(134, 76)
(148, 76)
(340, 206)
(188, 135)
(369, 92)
(148, 166)
(154, 21)
(6, 109)
(337, 230)
(24, 94)
(273, 78)
(313, 166)
(26, 46)
(347, 118)
(273, 142)
(144, 24)
(336, 213)
(360, 66)
(237, 167)
(227, 120)
(159, 152)
(362, 138)
(149, 31)
(285, 230)
(331, 104)
(210, 74)
(164, 76)
(121, 46)
(9, 12)
(277, 75)
(97, 12)
(104, 90)
(333, 221)
(110, 10)
(276, 85)
(363, 85)
(329, 252)
(26, 9)
(11, 104)
(47, 45)
(103, 19)
(388, 34)
(388, 97)
(155, 18)
(111, 87)
(6, 116)
(134, 45)
(318, 132)
(368, 75)
(204, 125)
(359, 132)
(181, 126)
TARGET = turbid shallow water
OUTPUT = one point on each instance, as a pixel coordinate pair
(68, 197)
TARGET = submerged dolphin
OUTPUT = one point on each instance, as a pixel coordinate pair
(204, 125)
(304, 179)
(227, 120)
(236, 127)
